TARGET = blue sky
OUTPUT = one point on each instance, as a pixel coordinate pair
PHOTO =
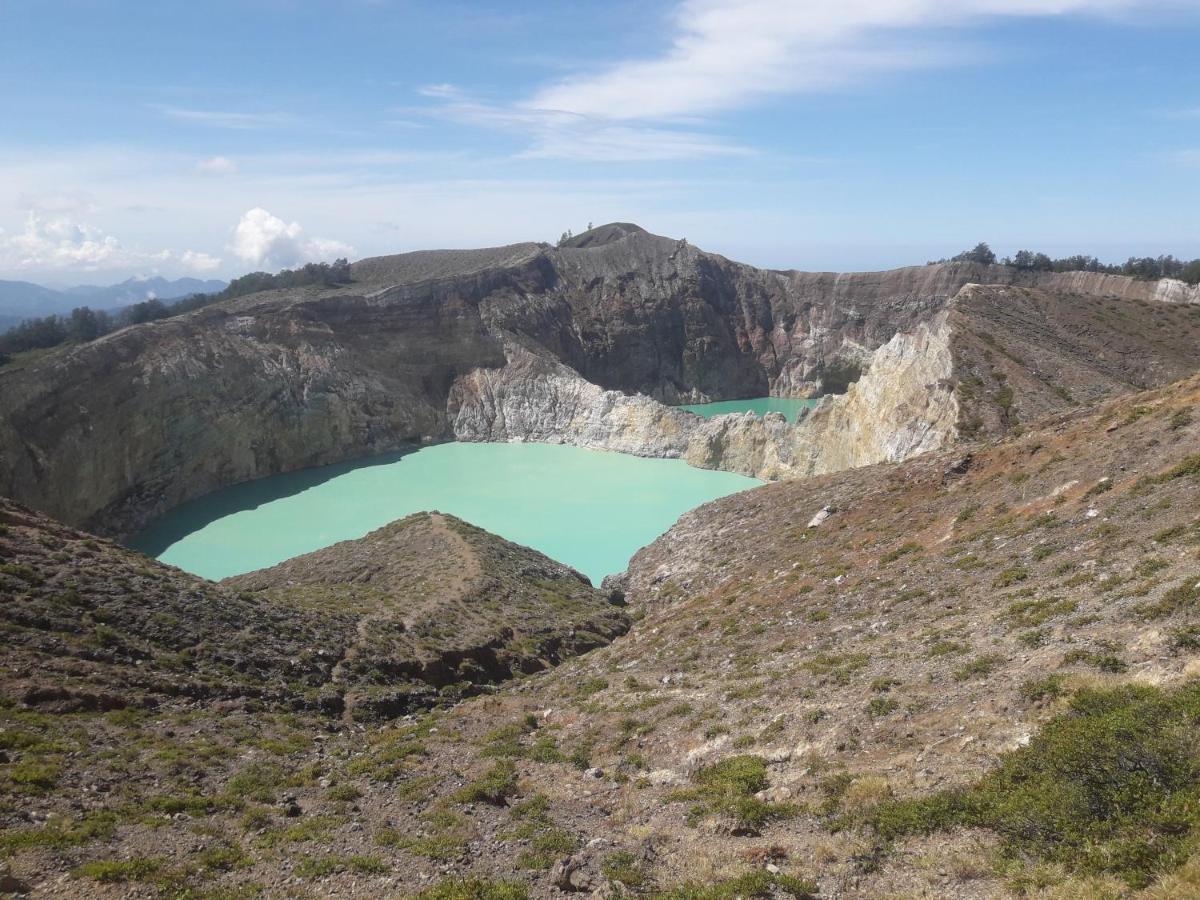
(215, 138)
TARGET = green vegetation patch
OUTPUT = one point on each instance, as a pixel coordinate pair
(320, 866)
(1112, 786)
(836, 667)
(1184, 596)
(727, 788)
(1049, 688)
(474, 889)
(58, 833)
(1011, 576)
(1180, 534)
(902, 550)
(124, 870)
(622, 867)
(1031, 613)
(979, 667)
(754, 884)
(1189, 467)
(495, 786)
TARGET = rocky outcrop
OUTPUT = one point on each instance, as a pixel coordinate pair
(993, 357)
(905, 404)
(536, 398)
(1093, 284)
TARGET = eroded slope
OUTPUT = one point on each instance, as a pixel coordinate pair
(418, 612)
(439, 604)
(783, 684)
(937, 617)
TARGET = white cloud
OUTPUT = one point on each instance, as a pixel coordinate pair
(199, 262)
(261, 239)
(239, 121)
(726, 53)
(440, 91)
(609, 142)
(52, 242)
(217, 165)
(553, 134)
(58, 241)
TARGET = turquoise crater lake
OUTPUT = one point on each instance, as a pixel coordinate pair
(789, 406)
(589, 509)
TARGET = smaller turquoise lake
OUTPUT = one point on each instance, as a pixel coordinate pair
(589, 509)
(789, 406)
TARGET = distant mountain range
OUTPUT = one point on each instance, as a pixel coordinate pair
(20, 300)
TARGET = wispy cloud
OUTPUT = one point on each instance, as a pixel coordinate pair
(238, 121)
(557, 134)
(1190, 157)
(217, 165)
(726, 53)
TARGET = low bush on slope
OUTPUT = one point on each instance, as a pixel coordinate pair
(1110, 786)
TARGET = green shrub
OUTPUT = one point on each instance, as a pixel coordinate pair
(882, 706)
(505, 741)
(547, 848)
(1189, 533)
(474, 889)
(979, 667)
(59, 833)
(497, 784)
(752, 885)
(118, 871)
(1011, 576)
(1031, 613)
(622, 868)
(1111, 786)
(1049, 688)
(1104, 661)
(1183, 596)
(902, 550)
(1189, 467)
(1186, 638)
(728, 787)
(319, 867)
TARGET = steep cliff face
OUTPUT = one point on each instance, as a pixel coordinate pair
(904, 405)
(1120, 287)
(992, 358)
(424, 347)
(113, 433)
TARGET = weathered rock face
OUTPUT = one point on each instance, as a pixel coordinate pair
(113, 433)
(994, 356)
(530, 342)
(905, 404)
(1120, 287)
